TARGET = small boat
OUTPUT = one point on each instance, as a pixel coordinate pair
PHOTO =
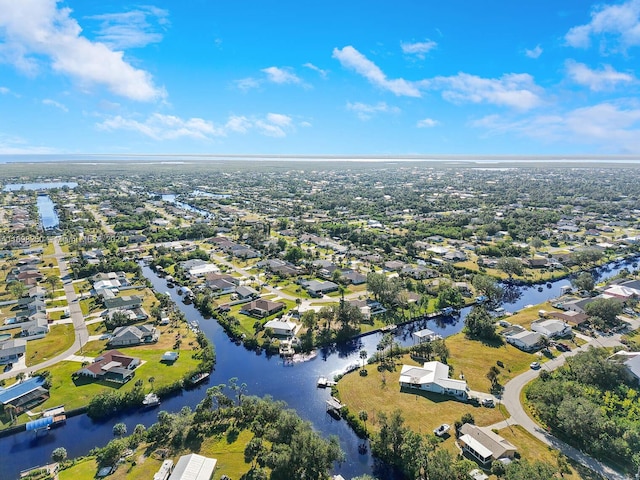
(151, 400)
(549, 285)
(323, 382)
(540, 289)
(199, 377)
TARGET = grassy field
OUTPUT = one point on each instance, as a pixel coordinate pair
(380, 392)
(59, 338)
(474, 359)
(144, 464)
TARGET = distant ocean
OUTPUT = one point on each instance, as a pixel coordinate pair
(182, 158)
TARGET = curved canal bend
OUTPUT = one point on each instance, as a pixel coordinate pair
(296, 385)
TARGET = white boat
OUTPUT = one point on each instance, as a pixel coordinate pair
(151, 400)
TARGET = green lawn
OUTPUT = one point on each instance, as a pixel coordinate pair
(57, 303)
(59, 339)
(380, 392)
(474, 358)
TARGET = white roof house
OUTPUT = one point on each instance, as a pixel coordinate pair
(551, 328)
(202, 270)
(281, 326)
(433, 377)
(194, 467)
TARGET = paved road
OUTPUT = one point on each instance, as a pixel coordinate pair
(79, 326)
(511, 400)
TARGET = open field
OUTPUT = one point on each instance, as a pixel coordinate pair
(380, 392)
(59, 338)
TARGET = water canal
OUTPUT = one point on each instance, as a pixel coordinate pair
(264, 375)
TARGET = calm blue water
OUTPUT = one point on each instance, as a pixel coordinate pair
(13, 187)
(47, 211)
(171, 198)
(263, 375)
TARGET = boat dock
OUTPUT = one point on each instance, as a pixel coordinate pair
(324, 382)
(333, 404)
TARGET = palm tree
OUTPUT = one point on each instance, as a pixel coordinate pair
(363, 416)
(363, 357)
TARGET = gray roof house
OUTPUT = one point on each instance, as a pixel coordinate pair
(133, 335)
(12, 350)
(483, 445)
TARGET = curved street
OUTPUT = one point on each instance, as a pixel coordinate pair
(511, 400)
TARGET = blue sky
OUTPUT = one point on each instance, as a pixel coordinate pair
(359, 77)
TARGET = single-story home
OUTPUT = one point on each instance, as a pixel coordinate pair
(124, 302)
(631, 360)
(133, 335)
(571, 317)
(551, 328)
(170, 357)
(281, 327)
(433, 377)
(12, 350)
(523, 339)
(113, 366)
(317, 288)
(483, 445)
(24, 395)
(37, 326)
(263, 308)
(243, 292)
(194, 467)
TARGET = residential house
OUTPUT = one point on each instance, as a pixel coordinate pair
(631, 360)
(353, 277)
(484, 446)
(317, 288)
(419, 272)
(24, 395)
(284, 327)
(551, 328)
(537, 262)
(570, 316)
(123, 303)
(522, 338)
(433, 377)
(281, 267)
(243, 292)
(262, 308)
(113, 366)
(11, 350)
(194, 467)
(38, 326)
(394, 265)
(133, 335)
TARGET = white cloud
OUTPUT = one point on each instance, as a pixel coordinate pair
(534, 52)
(248, 83)
(53, 103)
(597, 80)
(37, 30)
(4, 91)
(515, 90)
(311, 66)
(610, 127)
(135, 28)
(419, 49)
(620, 23)
(169, 127)
(365, 111)
(427, 123)
(12, 145)
(281, 75)
(352, 59)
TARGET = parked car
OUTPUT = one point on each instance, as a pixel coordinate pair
(563, 347)
(442, 430)
(535, 365)
(488, 402)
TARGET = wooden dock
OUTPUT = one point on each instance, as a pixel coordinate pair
(334, 404)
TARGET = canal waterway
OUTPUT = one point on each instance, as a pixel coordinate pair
(264, 375)
(47, 211)
(171, 198)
